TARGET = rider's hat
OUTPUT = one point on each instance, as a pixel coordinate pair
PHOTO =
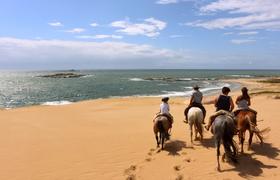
(165, 99)
(196, 87)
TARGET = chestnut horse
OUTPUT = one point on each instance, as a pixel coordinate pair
(161, 127)
(247, 120)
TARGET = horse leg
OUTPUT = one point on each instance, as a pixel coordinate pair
(191, 129)
(250, 140)
(242, 138)
(162, 139)
(218, 154)
(234, 152)
(157, 139)
(195, 133)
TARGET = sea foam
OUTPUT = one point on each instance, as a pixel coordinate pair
(56, 103)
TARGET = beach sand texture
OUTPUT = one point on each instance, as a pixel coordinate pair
(113, 139)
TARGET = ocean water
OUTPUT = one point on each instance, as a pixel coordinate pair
(19, 89)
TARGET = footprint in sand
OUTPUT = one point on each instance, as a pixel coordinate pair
(187, 160)
(129, 172)
(179, 177)
(131, 177)
(177, 168)
(148, 159)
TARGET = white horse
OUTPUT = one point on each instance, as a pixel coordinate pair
(195, 118)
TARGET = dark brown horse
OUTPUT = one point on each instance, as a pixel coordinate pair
(247, 120)
(161, 127)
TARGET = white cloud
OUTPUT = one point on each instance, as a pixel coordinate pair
(56, 24)
(242, 41)
(75, 30)
(61, 54)
(249, 33)
(55, 54)
(100, 36)
(150, 27)
(94, 24)
(244, 14)
(166, 1)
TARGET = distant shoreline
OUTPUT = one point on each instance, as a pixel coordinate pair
(20, 89)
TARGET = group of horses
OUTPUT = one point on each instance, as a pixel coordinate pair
(224, 128)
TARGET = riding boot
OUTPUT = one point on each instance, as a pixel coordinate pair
(203, 120)
(211, 119)
(186, 120)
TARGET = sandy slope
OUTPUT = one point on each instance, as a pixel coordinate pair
(113, 139)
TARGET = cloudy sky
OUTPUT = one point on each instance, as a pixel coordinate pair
(133, 34)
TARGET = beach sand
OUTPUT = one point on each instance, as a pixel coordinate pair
(113, 139)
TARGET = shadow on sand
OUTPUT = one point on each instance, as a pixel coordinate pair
(174, 147)
(266, 149)
(208, 143)
(248, 166)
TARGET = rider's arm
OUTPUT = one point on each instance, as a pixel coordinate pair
(237, 100)
(191, 100)
(215, 101)
(249, 101)
(231, 105)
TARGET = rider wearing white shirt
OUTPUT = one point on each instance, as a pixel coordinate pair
(164, 110)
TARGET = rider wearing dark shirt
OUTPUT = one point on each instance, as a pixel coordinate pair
(223, 102)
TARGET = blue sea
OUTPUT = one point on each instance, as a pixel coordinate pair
(18, 89)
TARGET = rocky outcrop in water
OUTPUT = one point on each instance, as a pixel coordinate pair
(62, 75)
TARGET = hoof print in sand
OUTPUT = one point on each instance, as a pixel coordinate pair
(179, 177)
(148, 159)
(177, 168)
(131, 177)
(129, 173)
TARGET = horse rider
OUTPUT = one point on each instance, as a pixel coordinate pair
(243, 102)
(223, 104)
(164, 111)
(195, 101)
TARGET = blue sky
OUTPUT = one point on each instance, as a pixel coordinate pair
(125, 34)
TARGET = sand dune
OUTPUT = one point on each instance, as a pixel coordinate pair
(113, 139)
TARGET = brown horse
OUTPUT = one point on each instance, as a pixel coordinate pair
(247, 120)
(161, 127)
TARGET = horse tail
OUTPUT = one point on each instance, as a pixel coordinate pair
(160, 127)
(228, 141)
(198, 125)
(254, 129)
(252, 125)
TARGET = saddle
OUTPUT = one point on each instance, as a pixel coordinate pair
(168, 116)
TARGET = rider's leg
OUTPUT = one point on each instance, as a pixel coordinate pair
(204, 113)
(211, 120)
(186, 113)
